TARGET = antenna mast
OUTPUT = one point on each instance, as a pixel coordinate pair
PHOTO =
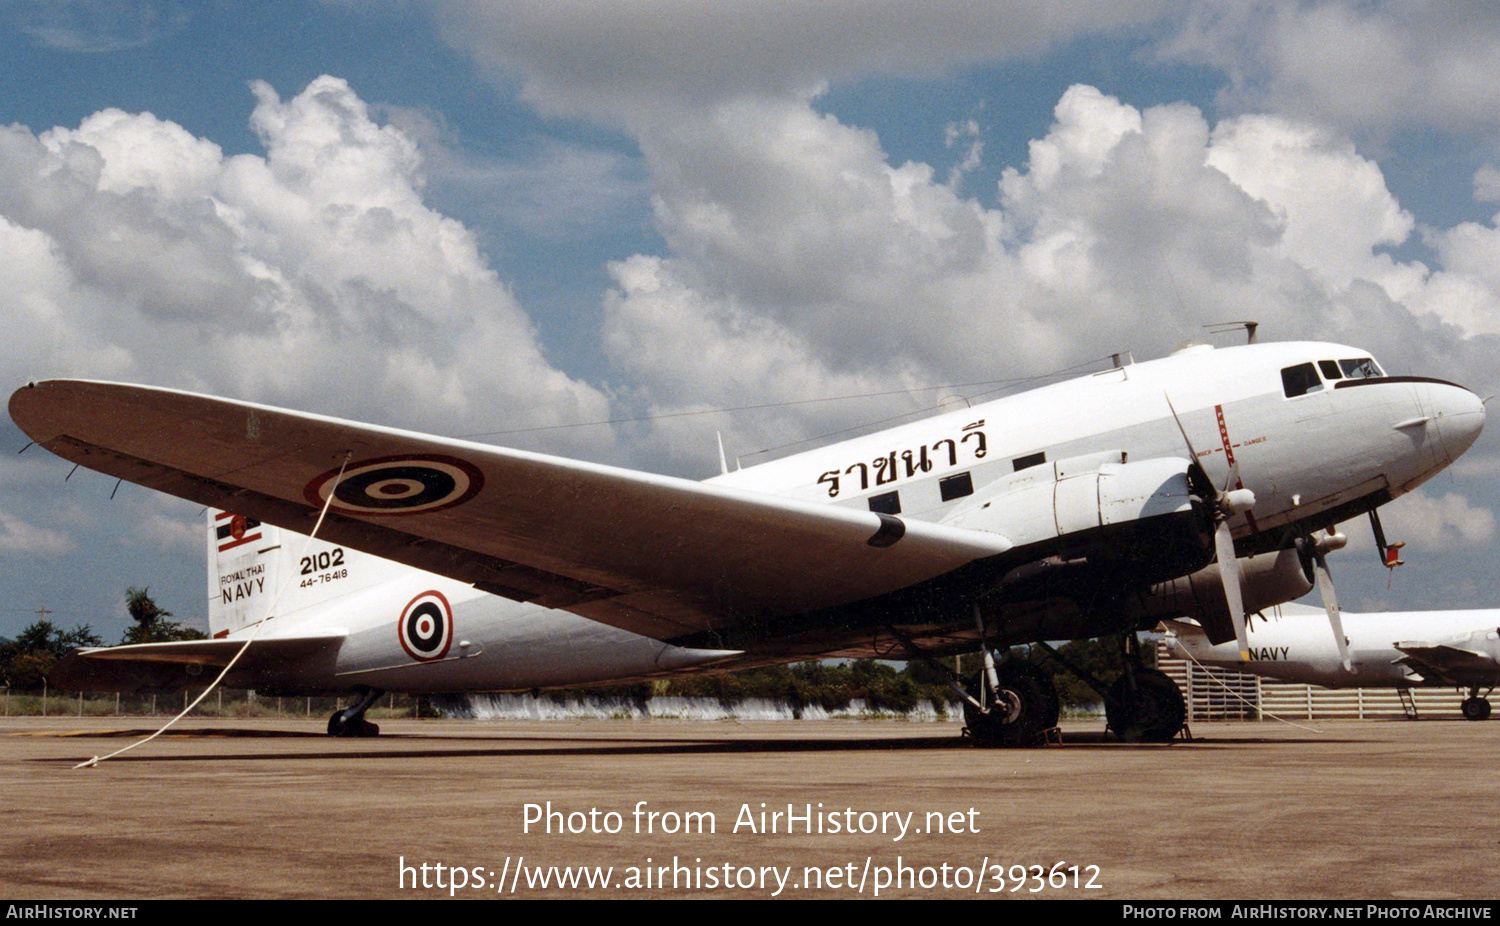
(1221, 327)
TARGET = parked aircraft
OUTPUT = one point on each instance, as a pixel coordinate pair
(1086, 508)
(1402, 649)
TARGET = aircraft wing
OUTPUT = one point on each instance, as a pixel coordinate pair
(187, 662)
(652, 554)
(1449, 664)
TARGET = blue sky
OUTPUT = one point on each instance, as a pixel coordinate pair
(471, 218)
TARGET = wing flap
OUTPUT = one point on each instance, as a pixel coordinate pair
(652, 554)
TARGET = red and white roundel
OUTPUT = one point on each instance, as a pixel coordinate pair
(426, 627)
(397, 485)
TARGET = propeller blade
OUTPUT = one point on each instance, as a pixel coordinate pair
(1197, 475)
(1331, 605)
(1229, 574)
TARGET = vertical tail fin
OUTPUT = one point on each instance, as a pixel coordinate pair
(250, 564)
(243, 564)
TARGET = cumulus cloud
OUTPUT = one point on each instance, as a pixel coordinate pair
(791, 235)
(1353, 65)
(789, 232)
(314, 276)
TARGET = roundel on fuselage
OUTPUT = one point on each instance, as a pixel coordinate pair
(426, 627)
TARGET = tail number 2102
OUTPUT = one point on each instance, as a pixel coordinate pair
(319, 562)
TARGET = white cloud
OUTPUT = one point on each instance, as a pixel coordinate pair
(550, 189)
(1333, 204)
(787, 229)
(165, 523)
(1467, 289)
(633, 62)
(1487, 184)
(1353, 65)
(92, 26)
(793, 240)
(1429, 523)
(17, 537)
(314, 276)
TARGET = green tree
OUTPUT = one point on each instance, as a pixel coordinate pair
(27, 659)
(151, 624)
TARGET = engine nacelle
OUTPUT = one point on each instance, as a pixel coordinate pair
(1102, 509)
(1268, 579)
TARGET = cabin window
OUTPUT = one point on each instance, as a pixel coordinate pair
(956, 486)
(1030, 460)
(1330, 369)
(1300, 380)
(1363, 368)
(886, 503)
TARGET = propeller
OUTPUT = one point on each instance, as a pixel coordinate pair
(1227, 503)
(1319, 547)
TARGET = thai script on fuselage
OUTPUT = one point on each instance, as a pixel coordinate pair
(907, 463)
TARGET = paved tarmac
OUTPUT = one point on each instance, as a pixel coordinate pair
(273, 808)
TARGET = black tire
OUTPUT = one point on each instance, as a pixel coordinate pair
(1051, 707)
(358, 727)
(1476, 709)
(1152, 712)
(1033, 708)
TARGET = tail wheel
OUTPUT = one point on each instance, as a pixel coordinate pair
(1476, 708)
(1021, 711)
(1151, 711)
(338, 725)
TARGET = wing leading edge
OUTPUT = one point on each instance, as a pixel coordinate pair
(652, 554)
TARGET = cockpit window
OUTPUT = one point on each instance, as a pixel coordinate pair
(1330, 369)
(1363, 368)
(1300, 380)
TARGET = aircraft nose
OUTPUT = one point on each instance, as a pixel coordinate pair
(1458, 415)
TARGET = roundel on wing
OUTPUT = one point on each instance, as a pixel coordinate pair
(397, 485)
(426, 627)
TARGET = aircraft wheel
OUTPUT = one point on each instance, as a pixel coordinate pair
(1153, 713)
(356, 727)
(1476, 709)
(1024, 708)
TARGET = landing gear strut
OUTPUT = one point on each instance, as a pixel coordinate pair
(351, 720)
(1476, 706)
(1012, 704)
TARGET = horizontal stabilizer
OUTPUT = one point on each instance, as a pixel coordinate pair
(190, 663)
(1449, 664)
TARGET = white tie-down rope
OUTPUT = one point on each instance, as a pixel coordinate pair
(1235, 694)
(270, 614)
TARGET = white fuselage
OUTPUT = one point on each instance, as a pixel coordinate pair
(1305, 457)
(1292, 644)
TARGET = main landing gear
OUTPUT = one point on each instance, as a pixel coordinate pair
(1477, 706)
(1016, 703)
(1015, 708)
(351, 720)
(1144, 705)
